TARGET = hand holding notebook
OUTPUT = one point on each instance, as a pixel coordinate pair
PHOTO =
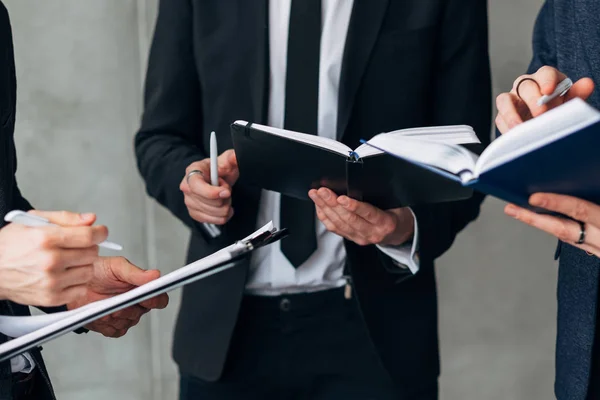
(360, 222)
(581, 228)
(293, 163)
(555, 152)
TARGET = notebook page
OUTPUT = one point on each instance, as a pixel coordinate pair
(448, 157)
(457, 134)
(451, 134)
(538, 132)
(313, 140)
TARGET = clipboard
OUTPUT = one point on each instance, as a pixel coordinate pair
(32, 331)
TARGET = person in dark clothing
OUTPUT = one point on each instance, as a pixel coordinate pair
(52, 268)
(345, 308)
(566, 42)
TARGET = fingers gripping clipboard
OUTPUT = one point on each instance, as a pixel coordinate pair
(32, 331)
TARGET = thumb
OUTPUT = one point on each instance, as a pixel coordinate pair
(228, 167)
(128, 273)
(228, 161)
(66, 218)
(583, 89)
(232, 158)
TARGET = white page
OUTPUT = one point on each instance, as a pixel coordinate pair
(450, 135)
(445, 156)
(313, 140)
(13, 326)
(456, 134)
(32, 328)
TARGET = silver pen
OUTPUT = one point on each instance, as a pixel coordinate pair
(23, 218)
(212, 229)
(561, 89)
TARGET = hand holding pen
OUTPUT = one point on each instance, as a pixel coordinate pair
(32, 220)
(207, 189)
(533, 95)
(46, 258)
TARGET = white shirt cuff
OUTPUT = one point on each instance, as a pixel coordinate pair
(405, 255)
(22, 363)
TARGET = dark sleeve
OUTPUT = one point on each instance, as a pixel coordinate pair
(19, 202)
(544, 43)
(170, 135)
(51, 310)
(8, 109)
(462, 95)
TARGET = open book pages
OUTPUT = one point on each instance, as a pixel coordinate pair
(451, 158)
(410, 139)
(23, 327)
(523, 139)
(453, 134)
(536, 133)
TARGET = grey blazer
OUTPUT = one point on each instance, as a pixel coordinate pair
(567, 36)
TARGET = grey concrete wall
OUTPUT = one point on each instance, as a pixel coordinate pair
(80, 66)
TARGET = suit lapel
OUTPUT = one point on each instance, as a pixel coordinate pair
(365, 22)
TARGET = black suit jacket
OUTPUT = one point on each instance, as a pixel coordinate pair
(407, 63)
(10, 196)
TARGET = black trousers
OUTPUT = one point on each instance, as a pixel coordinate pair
(307, 346)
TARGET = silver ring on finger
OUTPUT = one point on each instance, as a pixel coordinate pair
(192, 173)
(521, 82)
(581, 233)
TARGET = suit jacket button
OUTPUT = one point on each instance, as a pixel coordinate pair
(285, 304)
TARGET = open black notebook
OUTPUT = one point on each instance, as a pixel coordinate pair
(292, 163)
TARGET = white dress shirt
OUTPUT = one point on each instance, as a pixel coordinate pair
(271, 273)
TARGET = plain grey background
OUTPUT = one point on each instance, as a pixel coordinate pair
(80, 69)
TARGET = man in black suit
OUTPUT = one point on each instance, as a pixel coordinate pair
(287, 323)
(52, 268)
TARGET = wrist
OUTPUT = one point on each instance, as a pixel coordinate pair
(404, 228)
(5, 292)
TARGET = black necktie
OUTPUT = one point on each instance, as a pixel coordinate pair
(301, 113)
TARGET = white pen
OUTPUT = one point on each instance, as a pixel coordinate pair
(214, 154)
(23, 218)
(561, 89)
(212, 229)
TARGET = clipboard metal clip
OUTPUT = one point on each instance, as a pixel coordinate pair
(261, 240)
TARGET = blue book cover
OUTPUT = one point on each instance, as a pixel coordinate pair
(557, 152)
(570, 166)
